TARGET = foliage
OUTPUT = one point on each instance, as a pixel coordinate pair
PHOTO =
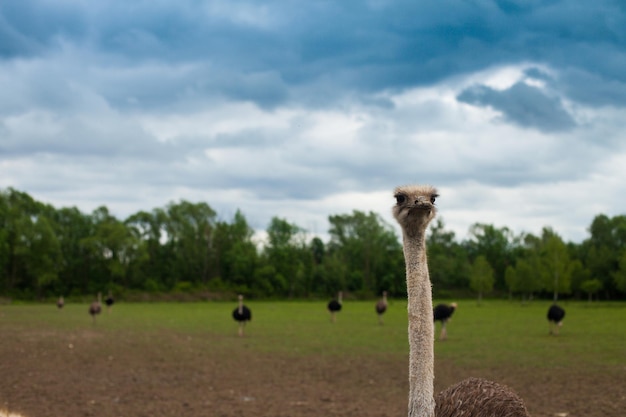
(591, 287)
(46, 252)
(481, 277)
(619, 275)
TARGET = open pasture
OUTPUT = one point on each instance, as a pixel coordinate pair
(175, 359)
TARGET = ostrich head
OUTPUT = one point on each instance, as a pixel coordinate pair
(415, 207)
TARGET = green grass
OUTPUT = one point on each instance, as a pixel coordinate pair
(497, 332)
(592, 335)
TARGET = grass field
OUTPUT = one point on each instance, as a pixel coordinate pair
(491, 334)
(497, 335)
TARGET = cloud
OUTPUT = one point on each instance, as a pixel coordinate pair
(523, 105)
(304, 110)
(262, 51)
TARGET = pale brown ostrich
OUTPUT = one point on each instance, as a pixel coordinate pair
(473, 397)
(96, 307)
(381, 307)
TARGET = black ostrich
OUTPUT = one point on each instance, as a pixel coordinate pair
(109, 301)
(381, 307)
(60, 302)
(95, 308)
(555, 318)
(442, 313)
(334, 306)
(242, 314)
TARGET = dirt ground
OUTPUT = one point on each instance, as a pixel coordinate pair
(86, 373)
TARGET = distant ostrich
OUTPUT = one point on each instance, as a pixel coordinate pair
(381, 307)
(96, 307)
(242, 314)
(442, 313)
(555, 318)
(60, 302)
(334, 306)
(109, 301)
(414, 209)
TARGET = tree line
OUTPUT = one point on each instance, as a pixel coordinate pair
(46, 252)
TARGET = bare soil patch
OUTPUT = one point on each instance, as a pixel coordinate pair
(89, 373)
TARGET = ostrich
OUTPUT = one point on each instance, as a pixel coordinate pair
(95, 308)
(109, 301)
(60, 302)
(381, 307)
(242, 314)
(473, 397)
(442, 313)
(334, 306)
(555, 318)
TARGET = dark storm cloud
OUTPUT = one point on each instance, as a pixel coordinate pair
(29, 28)
(353, 46)
(523, 105)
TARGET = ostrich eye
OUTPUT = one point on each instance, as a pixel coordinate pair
(400, 198)
(433, 198)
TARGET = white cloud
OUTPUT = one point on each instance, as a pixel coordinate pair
(244, 107)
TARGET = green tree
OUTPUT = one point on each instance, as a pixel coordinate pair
(591, 287)
(619, 276)
(481, 277)
(43, 256)
(71, 227)
(580, 274)
(496, 245)
(4, 240)
(529, 276)
(235, 254)
(286, 251)
(152, 270)
(189, 229)
(114, 251)
(447, 260)
(367, 245)
(556, 258)
(21, 214)
(512, 281)
(602, 251)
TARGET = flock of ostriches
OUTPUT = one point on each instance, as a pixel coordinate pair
(95, 308)
(472, 397)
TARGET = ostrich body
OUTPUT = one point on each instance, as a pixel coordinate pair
(60, 302)
(109, 301)
(555, 318)
(442, 313)
(476, 397)
(242, 314)
(95, 308)
(381, 307)
(473, 397)
(334, 306)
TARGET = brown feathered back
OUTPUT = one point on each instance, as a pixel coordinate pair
(476, 397)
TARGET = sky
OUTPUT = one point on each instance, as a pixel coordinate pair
(514, 110)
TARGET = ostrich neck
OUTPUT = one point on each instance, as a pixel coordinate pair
(421, 327)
